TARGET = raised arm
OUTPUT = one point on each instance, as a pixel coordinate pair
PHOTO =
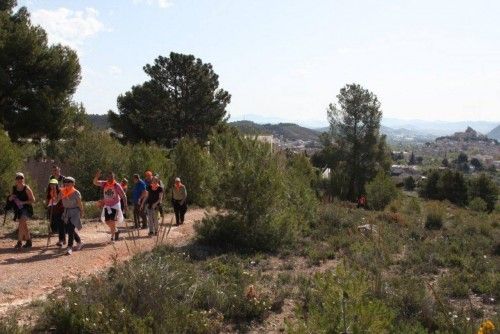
(96, 178)
(31, 197)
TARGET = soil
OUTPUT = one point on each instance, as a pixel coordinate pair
(28, 275)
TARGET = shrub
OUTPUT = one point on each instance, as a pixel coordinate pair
(452, 187)
(485, 188)
(145, 157)
(434, 219)
(195, 169)
(478, 204)
(93, 150)
(267, 199)
(380, 191)
(10, 163)
(409, 183)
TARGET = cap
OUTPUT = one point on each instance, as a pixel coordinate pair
(53, 181)
(177, 179)
(20, 175)
(69, 179)
(125, 180)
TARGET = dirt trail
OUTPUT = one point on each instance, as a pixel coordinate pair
(26, 275)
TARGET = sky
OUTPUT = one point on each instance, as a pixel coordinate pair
(287, 60)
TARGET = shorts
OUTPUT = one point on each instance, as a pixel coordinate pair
(109, 216)
(25, 212)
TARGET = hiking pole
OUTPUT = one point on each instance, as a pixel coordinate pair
(4, 217)
(169, 228)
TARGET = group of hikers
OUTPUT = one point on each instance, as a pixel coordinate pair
(65, 208)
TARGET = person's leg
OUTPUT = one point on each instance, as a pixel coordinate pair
(151, 218)
(112, 227)
(144, 218)
(61, 229)
(155, 222)
(136, 216)
(25, 234)
(183, 212)
(177, 213)
(71, 234)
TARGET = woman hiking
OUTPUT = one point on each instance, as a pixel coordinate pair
(111, 211)
(55, 211)
(73, 212)
(153, 201)
(179, 197)
(22, 198)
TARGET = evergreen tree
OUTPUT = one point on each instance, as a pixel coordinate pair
(485, 188)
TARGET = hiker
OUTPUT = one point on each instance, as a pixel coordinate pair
(361, 201)
(153, 200)
(56, 174)
(55, 211)
(73, 212)
(148, 177)
(22, 199)
(111, 211)
(124, 185)
(139, 194)
(179, 201)
(160, 206)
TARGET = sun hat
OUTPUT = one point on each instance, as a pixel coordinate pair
(69, 179)
(53, 181)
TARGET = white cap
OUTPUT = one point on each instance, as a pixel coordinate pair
(19, 174)
(177, 179)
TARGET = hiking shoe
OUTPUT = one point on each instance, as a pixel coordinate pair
(18, 245)
(69, 250)
(150, 234)
(79, 246)
(117, 235)
(28, 244)
(60, 244)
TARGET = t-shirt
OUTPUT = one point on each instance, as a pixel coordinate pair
(112, 194)
(72, 200)
(139, 187)
(154, 195)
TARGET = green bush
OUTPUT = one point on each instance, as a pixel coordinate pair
(478, 204)
(485, 188)
(158, 292)
(195, 169)
(409, 183)
(10, 163)
(380, 191)
(150, 157)
(266, 198)
(93, 150)
(434, 218)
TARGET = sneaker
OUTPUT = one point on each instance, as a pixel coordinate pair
(79, 246)
(69, 250)
(28, 244)
(60, 244)
(18, 245)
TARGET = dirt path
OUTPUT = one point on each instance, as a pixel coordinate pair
(29, 275)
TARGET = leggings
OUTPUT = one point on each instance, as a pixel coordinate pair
(72, 234)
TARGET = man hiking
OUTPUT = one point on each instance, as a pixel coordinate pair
(179, 201)
(55, 211)
(139, 194)
(56, 174)
(73, 212)
(153, 200)
(111, 211)
(21, 200)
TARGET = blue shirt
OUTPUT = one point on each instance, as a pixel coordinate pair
(139, 187)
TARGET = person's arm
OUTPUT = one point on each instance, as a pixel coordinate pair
(160, 198)
(31, 197)
(143, 196)
(96, 178)
(123, 196)
(80, 205)
(145, 199)
(185, 195)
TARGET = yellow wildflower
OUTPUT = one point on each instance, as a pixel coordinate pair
(487, 327)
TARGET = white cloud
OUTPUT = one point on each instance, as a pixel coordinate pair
(67, 26)
(114, 70)
(159, 3)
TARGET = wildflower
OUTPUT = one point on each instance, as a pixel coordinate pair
(486, 327)
(122, 310)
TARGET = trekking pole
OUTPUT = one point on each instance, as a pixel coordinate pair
(4, 217)
(168, 231)
(159, 230)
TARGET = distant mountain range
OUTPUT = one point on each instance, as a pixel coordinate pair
(495, 133)
(395, 129)
(288, 131)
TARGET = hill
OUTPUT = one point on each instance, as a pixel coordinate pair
(495, 133)
(469, 135)
(286, 131)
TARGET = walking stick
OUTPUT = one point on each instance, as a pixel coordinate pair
(4, 217)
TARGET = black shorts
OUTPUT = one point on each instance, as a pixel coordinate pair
(109, 216)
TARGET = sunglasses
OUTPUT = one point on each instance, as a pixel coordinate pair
(19, 178)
